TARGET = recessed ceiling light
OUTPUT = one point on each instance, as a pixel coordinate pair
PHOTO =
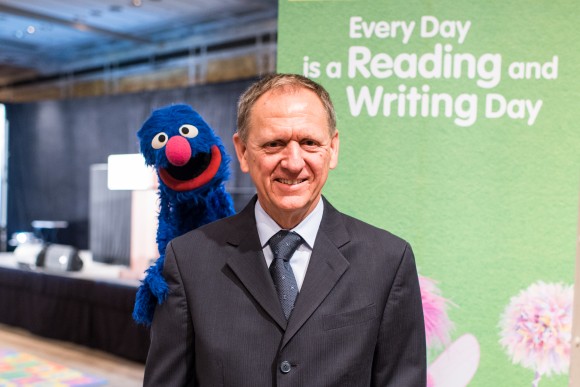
(136, 3)
(31, 29)
(19, 34)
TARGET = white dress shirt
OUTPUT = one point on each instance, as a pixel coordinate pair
(307, 229)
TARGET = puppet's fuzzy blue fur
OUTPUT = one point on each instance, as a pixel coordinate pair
(180, 211)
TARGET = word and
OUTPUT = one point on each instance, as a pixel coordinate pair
(410, 102)
(534, 70)
(430, 27)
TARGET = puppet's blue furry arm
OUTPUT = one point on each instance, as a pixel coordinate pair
(153, 290)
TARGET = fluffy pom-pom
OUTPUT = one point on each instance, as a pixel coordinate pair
(438, 326)
(430, 381)
(536, 328)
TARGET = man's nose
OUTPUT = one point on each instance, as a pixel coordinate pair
(293, 159)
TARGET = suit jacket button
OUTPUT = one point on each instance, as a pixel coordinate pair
(285, 367)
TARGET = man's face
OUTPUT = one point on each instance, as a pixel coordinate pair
(288, 153)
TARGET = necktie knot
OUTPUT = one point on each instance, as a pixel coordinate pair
(284, 243)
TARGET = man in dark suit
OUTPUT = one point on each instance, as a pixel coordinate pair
(289, 292)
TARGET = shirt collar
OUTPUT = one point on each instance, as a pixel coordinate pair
(307, 229)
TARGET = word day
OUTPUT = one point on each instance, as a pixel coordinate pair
(410, 102)
(430, 27)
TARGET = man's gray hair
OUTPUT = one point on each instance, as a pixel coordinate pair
(280, 81)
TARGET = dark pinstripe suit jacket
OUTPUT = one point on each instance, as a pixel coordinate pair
(357, 321)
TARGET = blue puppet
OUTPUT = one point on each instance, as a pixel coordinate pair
(192, 166)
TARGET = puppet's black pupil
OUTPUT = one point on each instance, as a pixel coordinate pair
(184, 130)
(162, 138)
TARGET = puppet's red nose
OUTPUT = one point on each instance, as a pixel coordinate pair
(178, 151)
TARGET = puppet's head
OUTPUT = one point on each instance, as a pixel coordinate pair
(183, 149)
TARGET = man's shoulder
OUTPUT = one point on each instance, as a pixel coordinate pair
(367, 242)
(367, 230)
(366, 233)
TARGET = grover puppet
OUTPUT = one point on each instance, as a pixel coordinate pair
(192, 166)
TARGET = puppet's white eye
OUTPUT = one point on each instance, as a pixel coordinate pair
(188, 130)
(159, 140)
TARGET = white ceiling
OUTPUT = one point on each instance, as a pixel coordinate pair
(41, 38)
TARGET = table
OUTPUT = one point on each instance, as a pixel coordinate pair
(91, 308)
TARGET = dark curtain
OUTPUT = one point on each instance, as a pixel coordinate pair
(52, 145)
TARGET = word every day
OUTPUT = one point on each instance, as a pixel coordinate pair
(413, 102)
(430, 27)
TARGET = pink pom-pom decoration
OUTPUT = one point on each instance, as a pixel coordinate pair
(437, 324)
(536, 328)
(430, 381)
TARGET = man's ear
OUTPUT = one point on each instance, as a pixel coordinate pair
(334, 146)
(241, 152)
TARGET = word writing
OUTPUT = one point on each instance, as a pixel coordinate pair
(410, 102)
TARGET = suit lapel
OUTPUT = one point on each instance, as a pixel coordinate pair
(327, 265)
(249, 265)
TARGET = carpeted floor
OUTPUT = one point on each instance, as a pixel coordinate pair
(117, 372)
(23, 369)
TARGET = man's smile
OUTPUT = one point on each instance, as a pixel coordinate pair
(290, 182)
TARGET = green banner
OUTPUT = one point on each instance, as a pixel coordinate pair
(459, 132)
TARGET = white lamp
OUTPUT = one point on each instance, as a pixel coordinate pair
(129, 172)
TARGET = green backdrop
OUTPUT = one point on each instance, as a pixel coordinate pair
(458, 126)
